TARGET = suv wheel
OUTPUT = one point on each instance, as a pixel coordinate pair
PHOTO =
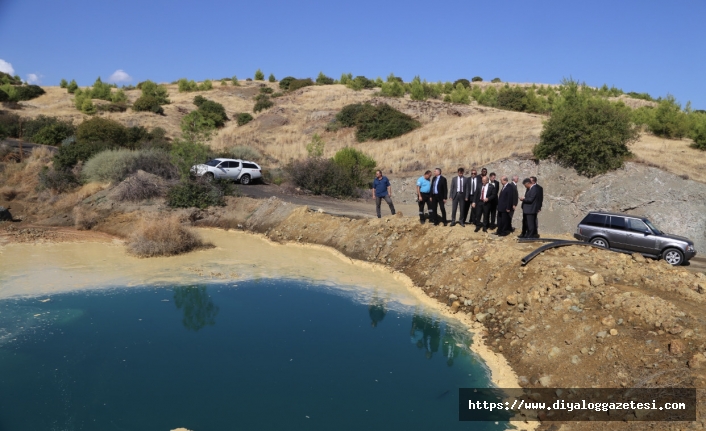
(600, 242)
(209, 176)
(673, 256)
(245, 180)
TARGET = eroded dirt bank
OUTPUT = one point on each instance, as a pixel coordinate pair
(573, 317)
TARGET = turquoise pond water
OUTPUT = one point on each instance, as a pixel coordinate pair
(265, 355)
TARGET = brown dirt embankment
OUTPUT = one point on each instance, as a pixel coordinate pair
(573, 317)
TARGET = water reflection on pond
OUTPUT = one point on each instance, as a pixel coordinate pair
(266, 355)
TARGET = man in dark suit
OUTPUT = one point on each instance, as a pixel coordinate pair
(540, 197)
(483, 202)
(530, 207)
(459, 188)
(504, 208)
(474, 185)
(515, 199)
(494, 204)
(439, 191)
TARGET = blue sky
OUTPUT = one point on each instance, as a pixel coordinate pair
(645, 46)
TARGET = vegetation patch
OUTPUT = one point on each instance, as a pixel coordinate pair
(199, 193)
(243, 118)
(163, 237)
(376, 122)
(116, 165)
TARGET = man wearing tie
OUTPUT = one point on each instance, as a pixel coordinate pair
(474, 185)
(515, 199)
(504, 208)
(439, 191)
(459, 186)
(485, 198)
(530, 207)
(494, 204)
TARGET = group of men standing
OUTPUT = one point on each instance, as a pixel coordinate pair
(485, 202)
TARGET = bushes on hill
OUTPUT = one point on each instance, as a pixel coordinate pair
(162, 237)
(4, 97)
(112, 107)
(69, 155)
(358, 166)
(322, 79)
(6, 78)
(18, 93)
(460, 94)
(316, 147)
(496, 80)
(102, 130)
(376, 122)
(72, 87)
(512, 98)
(346, 78)
(271, 78)
(58, 180)
(235, 81)
(393, 88)
(199, 193)
(53, 134)
(262, 102)
(259, 76)
(360, 82)
(477, 79)
(208, 116)
(148, 104)
(589, 134)
(300, 83)
(244, 118)
(669, 120)
(184, 85)
(186, 153)
(466, 83)
(321, 177)
(284, 83)
(116, 165)
(266, 90)
(698, 131)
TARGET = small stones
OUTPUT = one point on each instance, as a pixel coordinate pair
(453, 297)
(545, 381)
(596, 280)
(602, 334)
(491, 311)
(608, 321)
(697, 361)
(575, 359)
(511, 299)
(677, 347)
(476, 258)
(613, 332)
(637, 257)
(455, 306)
(480, 317)
(553, 352)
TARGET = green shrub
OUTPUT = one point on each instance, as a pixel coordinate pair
(215, 111)
(460, 94)
(322, 79)
(242, 152)
(87, 107)
(376, 122)
(641, 96)
(54, 134)
(416, 90)
(118, 97)
(197, 122)
(185, 86)
(271, 78)
(300, 83)
(284, 83)
(321, 177)
(116, 165)
(392, 89)
(139, 136)
(100, 90)
(196, 194)
(63, 84)
(698, 130)
(102, 130)
(186, 153)
(70, 154)
(266, 90)
(360, 83)
(244, 118)
(60, 181)
(4, 133)
(112, 107)
(72, 87)
(669, 120)
(10, 123)
(346, 78)
(18, 93)
(235, 81)
(496, 80)
(159, 92)
(587, 133)
(466, 83)
(31, 127)
(315, 148)
(259, 76)
(262, 102)
(206, 85)
(489, 97)
(392, 78)
(277, 94)
(224, 83)
(512, 98)
(148, 104)
(4, 97)
(643, 116)
(6, 78)
(358, 166)
(476, 79)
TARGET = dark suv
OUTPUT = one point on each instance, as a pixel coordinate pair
(634, 234)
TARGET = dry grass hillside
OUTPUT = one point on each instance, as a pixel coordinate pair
(450, 136)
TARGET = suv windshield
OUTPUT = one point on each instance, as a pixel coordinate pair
(651, 226)
(212, 163)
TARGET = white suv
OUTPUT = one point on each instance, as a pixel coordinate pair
(232, 169)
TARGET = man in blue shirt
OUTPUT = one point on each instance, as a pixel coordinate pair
(382, 190)
(424, 194)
